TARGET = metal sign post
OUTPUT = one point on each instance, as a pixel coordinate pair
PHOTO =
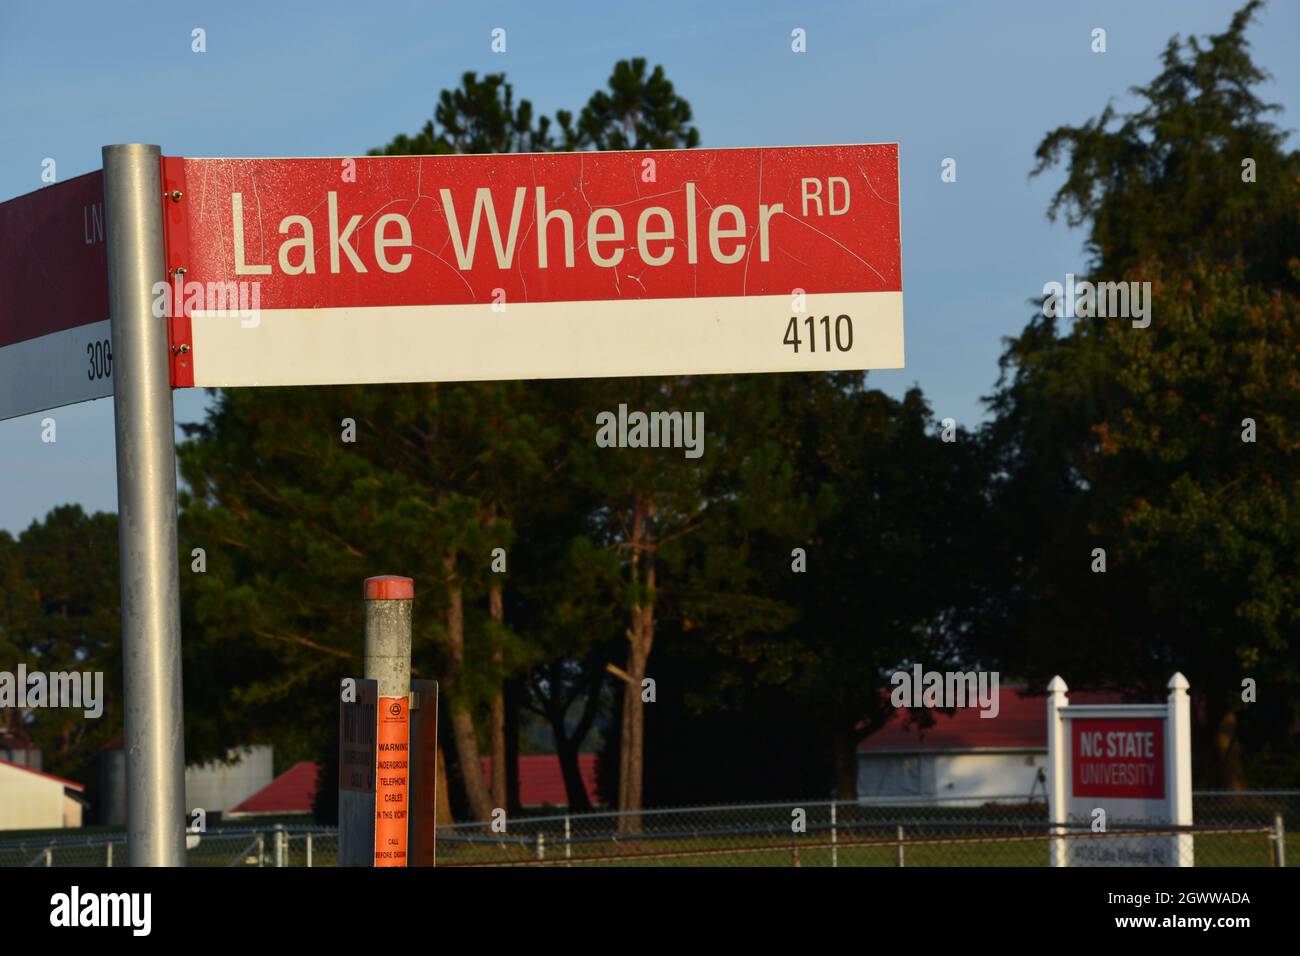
(146, 502)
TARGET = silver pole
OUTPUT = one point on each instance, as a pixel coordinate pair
(900, 844)
(1279, 840)
(146, 509)
(308, 849)
(835, 850)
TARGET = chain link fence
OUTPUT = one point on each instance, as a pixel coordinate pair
(277, 845)
(1232, 829)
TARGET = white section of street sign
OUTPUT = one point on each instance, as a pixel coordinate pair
(61, 368)
(435, 343)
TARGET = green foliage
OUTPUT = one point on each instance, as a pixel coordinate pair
(638, 112)
(59, 611)
(1131, 439)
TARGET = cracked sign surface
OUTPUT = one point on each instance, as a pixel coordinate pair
(551, 265)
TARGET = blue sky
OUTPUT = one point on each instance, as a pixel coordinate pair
(980, 83)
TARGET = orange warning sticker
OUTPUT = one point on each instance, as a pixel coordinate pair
(392, 776)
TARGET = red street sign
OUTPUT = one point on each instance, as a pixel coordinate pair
(1114, 757)
(54, 339)
(550, 265)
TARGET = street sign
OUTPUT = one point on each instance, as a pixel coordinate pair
(550, 265)
(55, 346)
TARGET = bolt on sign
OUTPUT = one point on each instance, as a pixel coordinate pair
(1130, 761)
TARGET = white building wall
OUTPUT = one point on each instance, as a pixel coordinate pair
(950, 776)
(29, 801)
(72, 809)
(217, 787)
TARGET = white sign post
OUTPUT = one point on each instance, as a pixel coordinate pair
(1119, 764)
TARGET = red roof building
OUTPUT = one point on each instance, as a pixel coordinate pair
(540, 783)
(291, 792)
(962, 756)
(1021, 725)
(540, 780)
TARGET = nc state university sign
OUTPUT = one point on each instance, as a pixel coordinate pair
(1113, 767)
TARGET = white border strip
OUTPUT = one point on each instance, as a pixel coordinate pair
(437, 343)
(51, 370)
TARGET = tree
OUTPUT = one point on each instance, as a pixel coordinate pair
(1131, 439)
(60, 613)
(856, 523)
(292, 516)
(637, 112)
(647, 504)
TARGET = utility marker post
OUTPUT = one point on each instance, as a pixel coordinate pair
(388, 662)
(154, 738)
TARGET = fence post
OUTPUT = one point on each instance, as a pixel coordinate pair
(900, 844)
(541, 845)
(261, 849)
(109, 862)
(568, 847)
(1279, 840)
(309, 834)
(1178, 748)
(835, 850)
(281, 845)
(1057, 700)
(49, 856)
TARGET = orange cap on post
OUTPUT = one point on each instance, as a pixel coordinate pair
(390, 587)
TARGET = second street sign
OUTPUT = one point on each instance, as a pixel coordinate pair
(55, 346)
(551, 265)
